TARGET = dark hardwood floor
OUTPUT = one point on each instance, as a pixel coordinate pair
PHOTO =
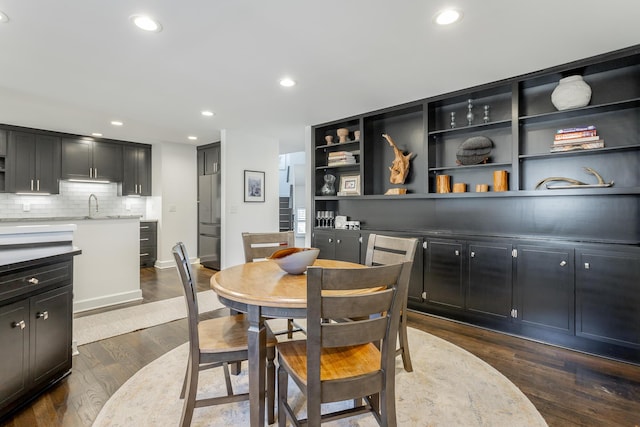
(568, 388)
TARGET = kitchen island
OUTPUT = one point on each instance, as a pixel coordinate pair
(36, 290)
(108, 271)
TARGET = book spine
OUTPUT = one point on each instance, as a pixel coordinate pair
(576, 129)
(582, 146)
(576, 140)
(577, 134)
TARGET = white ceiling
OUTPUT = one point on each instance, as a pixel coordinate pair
(75, 65)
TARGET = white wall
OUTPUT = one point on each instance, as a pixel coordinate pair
(242, 151)
(175, 197)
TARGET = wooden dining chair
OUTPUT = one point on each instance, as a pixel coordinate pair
(382, 250)
(216, 342)
(258, 246)
(346, 361)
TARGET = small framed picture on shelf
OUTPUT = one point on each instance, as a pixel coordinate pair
(253, 186)
(349, 185)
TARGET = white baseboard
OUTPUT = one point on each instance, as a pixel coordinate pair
(171, 264)
(107, 300)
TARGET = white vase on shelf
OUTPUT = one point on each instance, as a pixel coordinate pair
(571, 92)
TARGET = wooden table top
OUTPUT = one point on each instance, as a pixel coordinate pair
(263, 283)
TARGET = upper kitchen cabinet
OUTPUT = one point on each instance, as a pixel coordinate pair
(3, 159)
(87, 159)
(33, 163)
(136, 171)
(209, 160)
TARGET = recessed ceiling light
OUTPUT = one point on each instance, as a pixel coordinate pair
(448, 16)
(207, 113)
(287, 82)
(192, 138)
(117, 123)
(96, 134)
(146, 23)
(3, 17)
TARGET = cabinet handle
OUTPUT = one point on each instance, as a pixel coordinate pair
(587, 266)
(38, 185)
(144, 227)
(31, 185)
(145, 254)
(338, 241)
(140, 189)
(95, 172)
(473, 254)
(457, 252)
(33, 281)
(145, 239)
(90, 172)
(563, 263)
(42, 315)
(20, 324)
(330, 240)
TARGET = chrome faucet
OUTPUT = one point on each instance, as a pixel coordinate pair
(96, 199)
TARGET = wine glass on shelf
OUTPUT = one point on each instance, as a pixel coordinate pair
(331, 216)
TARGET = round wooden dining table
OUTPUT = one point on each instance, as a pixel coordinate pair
(262, 290)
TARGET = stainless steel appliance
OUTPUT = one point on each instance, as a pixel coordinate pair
(209, 219)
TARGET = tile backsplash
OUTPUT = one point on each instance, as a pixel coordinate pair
(73, 201)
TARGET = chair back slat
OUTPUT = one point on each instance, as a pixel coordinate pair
(346, 279)
(258, 246)
(382, 250)
(354, 306)
(353, 333)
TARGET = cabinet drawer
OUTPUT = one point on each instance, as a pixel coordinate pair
(27, 280)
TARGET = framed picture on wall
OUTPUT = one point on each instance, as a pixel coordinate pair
(253, 186)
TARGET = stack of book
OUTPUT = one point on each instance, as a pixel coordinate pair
(578, 138)
(339, 158)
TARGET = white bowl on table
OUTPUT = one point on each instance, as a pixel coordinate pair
(295, 260)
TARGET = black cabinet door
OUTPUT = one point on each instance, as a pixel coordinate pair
(22, 162)
(77, 159)
(47, 164)
(211, 160)
(324, 240)
(85, 159)
(34, 163)
(545, 287)
(608, 296)
(490, 289)
(136, 171)
(14, 351)
(443, 276)
(107, 161)
(347, 246)
(51, 317)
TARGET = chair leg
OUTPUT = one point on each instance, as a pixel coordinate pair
(283, 389)
(271, 385)
(191, 392)
(227, 378)
(289, 328)
(404, 343)
(387, 409)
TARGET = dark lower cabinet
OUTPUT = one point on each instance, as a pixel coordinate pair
(148, 243)
(443, 274)
(343, 245)
(608, 296)
(35, 328)
(490, 288)
(545, 287)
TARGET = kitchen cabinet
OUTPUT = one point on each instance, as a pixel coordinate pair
(148, 243)
(443, 273)
(35, 326)
(86, 159)
(136, 177)
(343, 245)
(608, 295)
(33, 163)
(3, 159)
(545, 286)
(490, 279)
(209, 159)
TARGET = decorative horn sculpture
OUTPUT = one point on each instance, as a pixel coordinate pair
(574, 183)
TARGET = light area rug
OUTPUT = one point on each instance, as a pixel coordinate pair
(109, 324)
(448, 387)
